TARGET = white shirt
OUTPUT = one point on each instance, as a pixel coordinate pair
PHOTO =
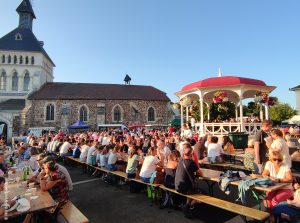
(113, 157)
(214, 150)
(281, 173)
(84, 152)
(281, 146)
(105, 141)
(103, 159)
(187, 133)
(65, 148)
(90, 153)
(149, 166)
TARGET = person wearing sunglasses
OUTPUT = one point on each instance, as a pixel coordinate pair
(279, 172)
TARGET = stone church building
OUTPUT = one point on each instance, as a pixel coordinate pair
(30, 98)
(61, 104)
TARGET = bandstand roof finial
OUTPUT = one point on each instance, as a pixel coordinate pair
(220, 72)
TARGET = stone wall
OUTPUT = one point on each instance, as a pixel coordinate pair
(67, 112)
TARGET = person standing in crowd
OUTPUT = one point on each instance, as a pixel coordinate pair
(260, 147)
(280, 145)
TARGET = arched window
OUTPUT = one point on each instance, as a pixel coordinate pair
(3, 58)
(21, 60)
(50, 112)
(117, 114)
(15, 59)
(32, 60)
(9, 59)
(26, 60)
(151, 115)
(83, 113)
(15, 80)
(26, 81)
(3, 80)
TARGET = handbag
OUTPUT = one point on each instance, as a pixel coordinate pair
(190, 177)
(160, 176)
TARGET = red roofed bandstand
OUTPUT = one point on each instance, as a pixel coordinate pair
(237, 89)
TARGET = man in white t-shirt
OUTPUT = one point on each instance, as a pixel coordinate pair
(149, 166)
(84, 151)
(65, 148)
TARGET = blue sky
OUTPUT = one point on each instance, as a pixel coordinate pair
(168, 43)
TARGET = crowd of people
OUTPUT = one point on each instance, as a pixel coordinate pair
(146, 154)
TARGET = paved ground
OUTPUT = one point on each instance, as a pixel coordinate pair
(104, 203)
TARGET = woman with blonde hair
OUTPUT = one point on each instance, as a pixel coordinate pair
(279, 172)
(280, 145)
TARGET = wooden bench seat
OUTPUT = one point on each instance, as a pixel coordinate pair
(226, 205)
(119, 173)
(72, 214)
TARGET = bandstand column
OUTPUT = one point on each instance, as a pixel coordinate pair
(241, 115)
(201, 116)
(187, 114)
(181, 115)
(267, 112)
(261, 114)
(208, 113)
(236, 113)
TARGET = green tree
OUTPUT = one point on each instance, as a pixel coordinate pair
(281, 112)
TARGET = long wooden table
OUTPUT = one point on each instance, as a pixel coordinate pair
(211, 177)
(43, 202)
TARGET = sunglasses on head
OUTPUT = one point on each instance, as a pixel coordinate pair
(279, 160)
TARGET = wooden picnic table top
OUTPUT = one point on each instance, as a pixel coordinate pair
(42, 202)
(213, 175)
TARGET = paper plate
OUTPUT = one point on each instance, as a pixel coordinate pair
(24, 205)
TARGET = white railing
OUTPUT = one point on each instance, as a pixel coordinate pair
(220, 129)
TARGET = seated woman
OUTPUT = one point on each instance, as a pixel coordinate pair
(132, 162)
(228, 147)
(56, 184)
(170, 172)
(288, 210)
(149, 165)
(280, 173)
(214, 151)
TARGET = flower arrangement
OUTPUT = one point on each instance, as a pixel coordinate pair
(176, 106)
(261, 97)
(220, 97)
(186, 101)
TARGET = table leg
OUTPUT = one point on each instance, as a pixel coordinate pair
(259, 197)
(210, 187)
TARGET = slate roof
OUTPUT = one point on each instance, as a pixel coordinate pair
(86, 91)
(25, 6)
(295, 88)
(13, 105)
(28, 43)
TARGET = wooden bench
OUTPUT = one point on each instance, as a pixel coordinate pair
(226, 205)
(148, 184)
(72, 214)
